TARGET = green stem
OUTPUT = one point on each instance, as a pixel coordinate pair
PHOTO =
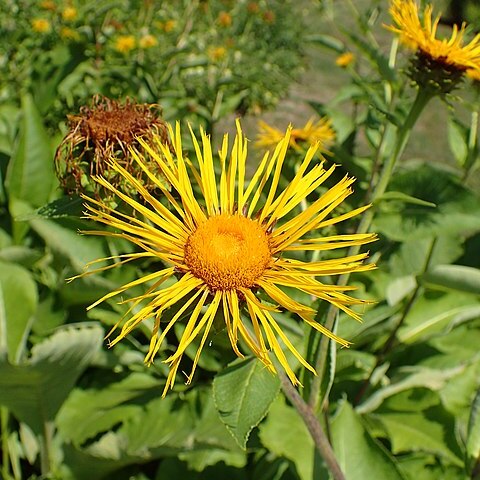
(5, 459)
(470, 161)
(46, 448)
(311, 421)
(390, 342)
(403, 134)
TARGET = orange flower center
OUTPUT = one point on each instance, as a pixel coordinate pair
(228, 252)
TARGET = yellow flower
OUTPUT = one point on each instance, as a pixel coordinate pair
(69, 34)
(224, 19)
(48, 5)
(420, 36)
(473, 75)
(216, 53)
(41, 25)
(147, 41)
(169, 25)
(125, 43)
(345, 59)
(253, 7)
(227, 244)
(269, 16)
(320, 132)
(69, 14)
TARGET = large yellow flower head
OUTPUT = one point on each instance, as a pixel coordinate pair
(452, 55)
(224, 246)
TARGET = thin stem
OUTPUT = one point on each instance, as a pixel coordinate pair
(5, 458)
(470, 161)
(46, 448)
(316, 431)
(389, 343)
(403, 134)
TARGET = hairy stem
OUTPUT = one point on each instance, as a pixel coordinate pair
(316, 431)
(403, 134)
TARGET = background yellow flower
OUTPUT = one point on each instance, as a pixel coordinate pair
(41, 25)
(313, 132)
(69, 14)
(147, 41)
(125, 43)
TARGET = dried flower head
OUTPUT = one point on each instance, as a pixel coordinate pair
(105, 129)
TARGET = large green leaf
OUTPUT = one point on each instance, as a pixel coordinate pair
(432, 314)
(358, 454)
(63, 240)
(429, 431)
(456, 212)
(90, 413)
(455, 277)
(18, 303)
(285, 435)
(424, 466)
(30, 174)
(128, 422)
(243, 393)
(410, 378)
(36, 389)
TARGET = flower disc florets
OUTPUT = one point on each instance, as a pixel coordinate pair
(228, 252)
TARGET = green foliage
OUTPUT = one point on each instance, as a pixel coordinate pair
(256, 388)
(201, 60)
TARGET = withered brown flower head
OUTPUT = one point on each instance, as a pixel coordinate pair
(105, 129)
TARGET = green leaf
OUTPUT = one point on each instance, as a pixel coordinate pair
(456, 212)
(422, 466)
(412, 377)
(399, 288)
(428, 431)
(332, 43)
(455, 277)
(433, 314)
(330, 367)
(284, 434)
(78, 249)
(359, 455)
(129, 423)
(88, 413)
(243, 393)
(404, 198)
(30, 174)
(62, 207)
(458, 140)
(18, 303)
(473, 434)
(35, 390)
